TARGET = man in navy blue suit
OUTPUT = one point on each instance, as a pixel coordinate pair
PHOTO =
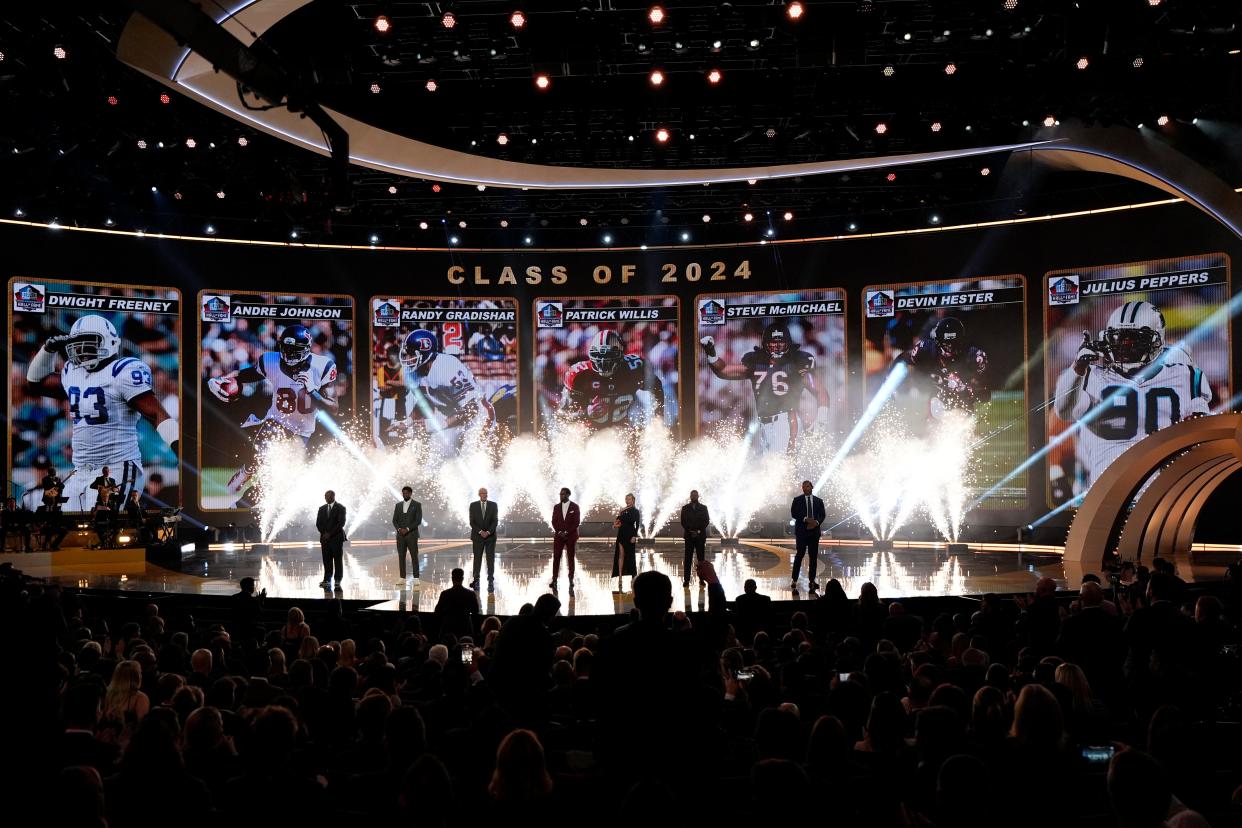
(807, 512)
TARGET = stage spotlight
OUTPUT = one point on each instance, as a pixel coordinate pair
(211, 229)
(164, 98)
(629, 138)
(853, 227)
(60, 53)
(717, 45)
(542, 81)
(243, 141)
(190, 143)
(382, 24)
(392, 189)
(142, 144)
(770, 232)
(985, 171)
(504, 223)
(950, 68)
(714, 76)
(502, 139)
(661, 135)
(109, 222)
(771, 133)
(528, 240)
(607, 238)
(375, 89)
(1, 57)
(422, 225)
(517, 20)
(112, 100)
(481, 187)
(1082, 63)
(881, 128)
(691, 137)
(1010, 5)
(1137, 63)
(449, 20)
(431, 86)
(656, 15)
(1050, 121)
(19, 212)
(435, 188)
(748, 217)
(453, 240)
(889, 70)
(934, 219)
(754, 43)
(788, 216)
(794, 10)
(374, 239)
(752, 181)
(155, 189)
(706, 218)
(891, 177)
(936, 126)
(293, 234)
(159, 144)
(656, 77)
(1153, 3)
(1163, 120)
(219, 193)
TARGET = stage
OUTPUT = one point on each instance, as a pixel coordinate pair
(524, 570)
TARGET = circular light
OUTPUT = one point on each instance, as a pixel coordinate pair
(177, 195)
(656, 15)
(164, 99)
(1163, 120)
(907, 37)
(752, 181)
(950, 68)
(392, 189)
(1137, 63)
(607, 238)
(1050, 121)
(881, 128)
(375, 89)
(517, 20)
(582, 221)
(452, 240)
(219, 193)
(422, 225)
(462, 224)
(685, 237)
(448, 20)
(1153, 3)
(481, 187)
(1082, 63)
(935, 219)
(969, 127)
(155, 189)
(112, 100)
(211, 229)
(142, 144)
(242, 141)
(382, 24)
(891, 177)
(985, 171)
(534, 140)
(374, 239)
(771, 133)
(107, 222)
(714, 76)
(706, 218)
(769, 232)
(60, 53)
(661, 135)
(528, 240)
(788, 216)
(502, 139)
(504, 222)
(293, 234)
(435, 188)
(159, 144)
(794, 10)
(629, 138)
(748, 217)
(889, 70)
(754, 43)
(431, 86)
(656, 77)
(191, 143)
(691, 136)
(853, 226)
(1010, 5)
(936, 126)
(542, 81)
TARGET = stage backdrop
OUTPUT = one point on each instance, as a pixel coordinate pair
(963, 343)
(1130, 349)
(271, 351)
(113, 371)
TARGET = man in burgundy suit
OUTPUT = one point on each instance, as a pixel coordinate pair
(565, 520)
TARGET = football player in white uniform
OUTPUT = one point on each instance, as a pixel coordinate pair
(1141, 383)
(301, 384)
(442, 394)
(107, 393)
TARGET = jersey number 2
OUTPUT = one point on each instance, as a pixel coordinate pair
(94, 397)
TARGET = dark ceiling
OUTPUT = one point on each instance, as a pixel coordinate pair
(814, 89)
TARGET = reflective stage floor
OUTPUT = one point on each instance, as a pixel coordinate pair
(524, 570)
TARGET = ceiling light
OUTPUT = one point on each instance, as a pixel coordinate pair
(211, 229)
(754, 43)
(142, 144)
(1049, 121)
(794, 10)
(219, 193)
(431, 86)
(607, 238)
(642, 247)
(374, 239)
(656, 15)
(19, 212)
(112, 100)
(891, 177)
(177, 195)
(985, 171)
(462, 224)
(853, 227)
(159, 144)
(382, 24)
(788, 216)
(629, 138)
(375, 89)
(242, 141)
(707, 217)
(950, 68)
(661, 135)
(1137, 63)
(1153, 3)
(109, 222)
(748, 217)
(293, 234)
(1163, 120)
(889, 70)
(448, 20)
(936, 126)
(517, 20)
(1010, 5)
(392, 189)
(771, 133)
(155, 189)
(717, 45)
(685, 237)
(582, 222)
(435, 188)
(752, 181)
(422, 225)
(528, 240)
(907, 37)
(656, 77)
(502, 139)
(881, 128)
(769, 232)
(1082, 63)
(934, 219)
(691, 136)
(504, 222)
(164, 99)
(60, 53)
(481, 187)
(191, 143)
(542, 81)
(714, 76)
(452, 240)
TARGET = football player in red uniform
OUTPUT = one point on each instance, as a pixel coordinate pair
(603, 389)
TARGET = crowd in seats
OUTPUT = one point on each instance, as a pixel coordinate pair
(1114, 705)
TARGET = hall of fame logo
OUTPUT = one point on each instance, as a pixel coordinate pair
(29, 297)
(1063, 290)
(711, 312)
(550, 315)
(385, 313)
(217, 308)
(880, 304)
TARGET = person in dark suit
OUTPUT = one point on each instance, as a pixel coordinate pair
(79, 745)
(694, 523)
(565, 521)
(407, 516)
(15, 521)
(483, 516)
(331, 525)
(135, 518)
(247, 611)
(753, 609)
(623, 559)
(457, 607)
(808, 513)
(51, 522)
(105, 489)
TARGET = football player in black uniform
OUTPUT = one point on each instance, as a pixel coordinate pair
(602, 389)
(779, 372)
(952, 372)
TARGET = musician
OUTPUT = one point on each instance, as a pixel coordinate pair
(51, 521)
(15, 520)
(52, 486)
(136, 518)
(565, 521)
(623, 559)
(105, 487)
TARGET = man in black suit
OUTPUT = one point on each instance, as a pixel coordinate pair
(808, 513)
(79, 745)
(247, 611)
(1092, 638)
(407, 516)
(483, 514)
(694, 523)
(752, 608)
(15, 521)
(457, 607)
(331, 525)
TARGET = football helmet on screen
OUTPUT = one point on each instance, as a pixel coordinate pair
(950, 336)
(295, 345)
(419, 348)
(1134, 336)
(606, 352)
(776, 340)
(92, 339)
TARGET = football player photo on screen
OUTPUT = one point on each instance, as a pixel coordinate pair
(1130, 351)
(94, 384)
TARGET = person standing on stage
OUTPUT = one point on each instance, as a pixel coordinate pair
(808, 513)
(623, 560)
(694, 523)
(483, 518)
(331, 525)
(565, 520)
(407, 516)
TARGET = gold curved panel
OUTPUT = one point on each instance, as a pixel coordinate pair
(1185, 535)
(1142, 517)
(1184, 476)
